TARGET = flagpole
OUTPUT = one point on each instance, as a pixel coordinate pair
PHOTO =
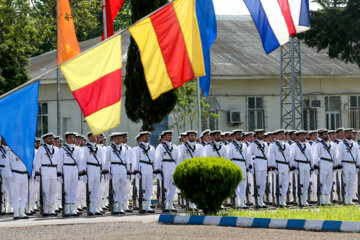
(199, 104)
(104, 19)
(58, 113)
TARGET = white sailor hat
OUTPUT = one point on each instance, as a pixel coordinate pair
(206, 131)
(312, 132)
(168, 132)
(78, 135)
(259, 131)
(124, 133)
(277, 131)
(67, 134)
(212, 133)
(223, 134)
(144, 133)
(323, 130)
(50, 134)
(137, 137)
(237, 131)
(115, 134)
(248, 134)
(191, 132)
(348, 129)
(56, 137)
(297, 133)
(332, 131)
(89, 133)
(339, 130)
(36, 139)
(292, 131)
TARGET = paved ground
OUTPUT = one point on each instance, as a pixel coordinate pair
(145, 227)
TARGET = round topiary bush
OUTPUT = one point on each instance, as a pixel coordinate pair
(207, 181)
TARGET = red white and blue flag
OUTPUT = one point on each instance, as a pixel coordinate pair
(278, 20)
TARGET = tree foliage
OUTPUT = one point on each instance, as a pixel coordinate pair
(138, 103)
(336, 28)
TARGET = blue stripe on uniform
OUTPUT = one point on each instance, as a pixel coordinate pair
(333, 226)
(295, 224)
(228, 221)
(267, 35)
(261, 222)
(196, 219)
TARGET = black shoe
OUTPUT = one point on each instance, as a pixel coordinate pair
(91, 214)
(15, 218)
(129, 211)
(29, 213)
(67, 215)
(25, 217)
(46, 215)
(121, 212)
(174, 210)
(115, 213)
(165, 210)
(151, 211)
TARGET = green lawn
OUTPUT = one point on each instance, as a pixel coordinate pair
(339, 213)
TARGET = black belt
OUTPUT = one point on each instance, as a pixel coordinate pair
(302, 161)
(146, 162)
(19, 172)
(94, 164)
(326, 159)
(49, 165)
(281, 162)
(119, 163)
(2, 166)
(168, 160)
(346, 161)
(70, 164)
(261, 157)
(238, 159)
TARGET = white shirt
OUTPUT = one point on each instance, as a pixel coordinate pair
(348, 154)
(237, 150)
(279, 155)
(117, 160)
(300, 157)
(167, 157)
(257, 150)
(325, 150)
(144, 158)
(94, 155)
(214, 149)
(43, 158)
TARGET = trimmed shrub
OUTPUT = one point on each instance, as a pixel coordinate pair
(207, 181)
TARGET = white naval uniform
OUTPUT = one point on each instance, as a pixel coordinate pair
(128, 149)
(313, 175)
(337, 173)
(348, 156)
(189, 150)
(324, 157)
(144, 159)
(237, 153)
(167, 157)
(69, 164)
(18, 181)
(257, 150)
(301, 157)
(117, 161)
(5, 175)
(94, 161)
(279, 157)
(214, 149)
(46, 164)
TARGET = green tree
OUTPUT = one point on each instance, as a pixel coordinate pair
(336, 28)
(138, 103)
(17, 34)
(185, 113)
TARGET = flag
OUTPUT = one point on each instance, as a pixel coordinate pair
(205, 14)
(300, 12)
(19, 113)
(112, 8)
(94, 78)
(274, 21)
(170, 46)
(67, 44)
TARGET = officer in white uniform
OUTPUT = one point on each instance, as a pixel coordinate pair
(144, 159)
(348, 156)
(4, 175)
(126, 147)
(302, 159)
(117, 161)
(215, 148)
(313, 176)
(325, 160)
(237, 153)
(18, 184)
(257, 150)
(188, 150)
(279, 159)
(93, 158)
(46, 168)
(167, 158)
(69, 164)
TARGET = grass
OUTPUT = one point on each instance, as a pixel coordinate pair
(336, 213)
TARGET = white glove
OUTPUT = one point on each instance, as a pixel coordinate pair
(159, 176)
(252, 171)
(107, 176)
(276, 172)
(84, 178)
(154, 176)
(37, 179)
(137, 175)
(60, 180)
(296, 171)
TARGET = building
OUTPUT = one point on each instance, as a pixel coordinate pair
(245, 81)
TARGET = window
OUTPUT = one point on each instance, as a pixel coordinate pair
(209, 120)
(310, 120)
(355, 112)
(158, 128)
(256, 116)
(332, 109)
(42, 125)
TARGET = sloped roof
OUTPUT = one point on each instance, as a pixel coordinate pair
(237, 51)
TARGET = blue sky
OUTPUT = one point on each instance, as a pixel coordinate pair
(237, 7)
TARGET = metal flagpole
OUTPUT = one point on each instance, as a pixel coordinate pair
(104, 20)
(199, 104)
(58, 74)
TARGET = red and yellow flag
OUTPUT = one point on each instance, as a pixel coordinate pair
(170, 47)
(67, 42)
(95, 81)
